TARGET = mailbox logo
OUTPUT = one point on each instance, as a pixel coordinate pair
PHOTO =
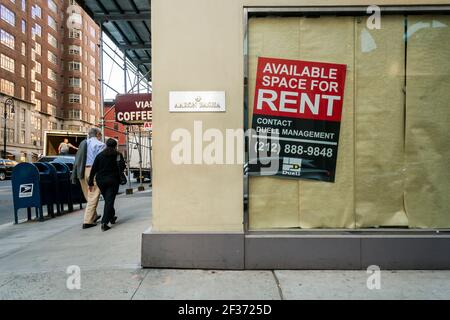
(26, 190)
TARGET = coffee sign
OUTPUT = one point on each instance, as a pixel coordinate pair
(134, 108)
(197, 101)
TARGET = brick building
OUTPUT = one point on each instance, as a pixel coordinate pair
(114, 129)
(50, 65)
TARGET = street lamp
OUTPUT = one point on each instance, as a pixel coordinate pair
(8, 103)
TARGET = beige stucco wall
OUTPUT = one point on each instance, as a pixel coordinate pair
(198, 45)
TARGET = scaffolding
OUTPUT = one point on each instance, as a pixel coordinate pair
(127, 24)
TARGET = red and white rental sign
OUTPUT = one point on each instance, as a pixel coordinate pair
(134, 108)
(296, 117)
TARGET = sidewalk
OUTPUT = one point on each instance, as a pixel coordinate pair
(34, 258)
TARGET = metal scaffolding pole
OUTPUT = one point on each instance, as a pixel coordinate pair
(129, 190)
(150, 154)
(141, 186)
(125, 72)
(102, 88)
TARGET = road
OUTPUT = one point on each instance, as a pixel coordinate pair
(7, 205)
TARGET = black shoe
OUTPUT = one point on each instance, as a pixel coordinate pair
(88, 225)
(113, 220)
(105, 227)
(97, 217)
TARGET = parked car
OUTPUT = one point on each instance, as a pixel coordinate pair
(6, 167)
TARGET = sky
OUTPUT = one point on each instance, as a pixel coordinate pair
(112, 73)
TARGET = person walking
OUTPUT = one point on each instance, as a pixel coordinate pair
(84, 159)
(106, 171)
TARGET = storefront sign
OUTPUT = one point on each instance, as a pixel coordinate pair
(197, 101)
(134, 108)
(147, 126)
(296, 118)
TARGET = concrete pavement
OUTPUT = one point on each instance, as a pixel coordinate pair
(34, 258)
(7, 204)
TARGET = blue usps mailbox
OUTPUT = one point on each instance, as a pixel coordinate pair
(64, 192)
(26, 190)
(48, 181)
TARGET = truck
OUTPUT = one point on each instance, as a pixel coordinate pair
(52, 139)
(140, 149)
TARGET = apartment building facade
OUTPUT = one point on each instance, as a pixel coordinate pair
(51, 67)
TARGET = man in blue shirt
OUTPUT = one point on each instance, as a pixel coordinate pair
(84, 159)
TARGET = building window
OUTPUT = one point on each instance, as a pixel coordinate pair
(51, 92)
(7, 87)
(52, 57)
(38, 86)
(34, 140)
(7, 39)
(9, 135)
(92, 89)
(92, 119)
(38, 49)
(92, 75)
(92, 104)
(92, 31)
(75, 50)
(36, 122)
(75, 34)
(22, 93)
(75, 82)
(24, 5)
(23, 71)
(38, 67)
(24, 26)
(24, 49)
(52, 41)
(7, 63)
(52, 125)
(74, 66)
(22, 136)
(36, 30)
(51, 109)
(51, 22)
(36, 11)
(74, 98)
(7, 15)
(74, 114)
(52, 6)
(38, 104)
(51, 74)
(22, 115)
(92, 46)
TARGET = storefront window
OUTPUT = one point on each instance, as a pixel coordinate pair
(393, 160)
